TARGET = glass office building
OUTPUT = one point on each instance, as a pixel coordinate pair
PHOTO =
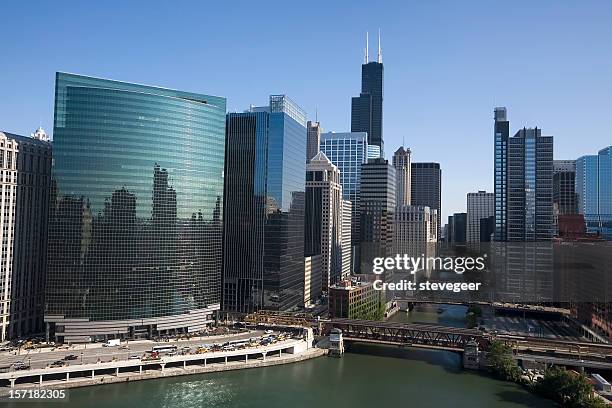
(594, 191)
(529, 181)
(502, 133)
(135, 228)
(265, 178)
(348, 151)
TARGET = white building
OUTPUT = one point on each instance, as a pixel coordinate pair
(415, 224)
(347, 250)
(323, 226)
(402, 163)
(25, 182)
(479, 205)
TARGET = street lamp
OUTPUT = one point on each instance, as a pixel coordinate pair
(81, 357)
(29, 363)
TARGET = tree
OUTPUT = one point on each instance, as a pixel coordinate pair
(568, 389)
(502, 362)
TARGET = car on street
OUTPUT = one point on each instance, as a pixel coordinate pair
(71, 357)
(58, 363)
(134, 357)
(20, 365)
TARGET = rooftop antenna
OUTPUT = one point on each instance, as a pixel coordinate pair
(317, 113)
(379, 49)
(366, 48)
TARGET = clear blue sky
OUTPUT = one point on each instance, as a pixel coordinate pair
(447, 64)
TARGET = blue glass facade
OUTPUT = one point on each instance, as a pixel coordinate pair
(348, 151)
(135, 232)
(594, 191)
(265, 192)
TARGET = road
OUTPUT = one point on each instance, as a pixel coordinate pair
(41, 359)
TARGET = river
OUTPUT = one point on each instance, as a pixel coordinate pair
(367, 376)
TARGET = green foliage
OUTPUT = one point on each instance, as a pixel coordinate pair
(377, 314)
(471, 320)
(502, 362)
(475, 309)
(568, 389)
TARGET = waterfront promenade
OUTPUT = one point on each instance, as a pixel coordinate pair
(283, 352)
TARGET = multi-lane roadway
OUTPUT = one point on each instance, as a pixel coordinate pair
(92, 353)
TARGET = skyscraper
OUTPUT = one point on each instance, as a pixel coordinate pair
(403, 169)
(479, 205)
(529, 186)
(564, 186)
(348, 151)
(313, 139)
(594, 191)
(264, 212)
(377, 209)
(426, 188)
(135, 228)
(367, 108)
(323, 217)
(26, 187)
(457, 227)
(501, 130)
(414, 224)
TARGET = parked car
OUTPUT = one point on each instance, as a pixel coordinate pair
(71, 357)
(134, 357)
(58, 363)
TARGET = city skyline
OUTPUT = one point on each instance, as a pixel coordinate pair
(440, 85)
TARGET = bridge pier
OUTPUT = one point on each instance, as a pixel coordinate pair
(12, 380)
(336, 343)
(67, 376)
(471, 356)
(264, 356)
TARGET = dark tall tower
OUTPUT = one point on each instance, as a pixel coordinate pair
(426, 186)
(502, 133)
(367, 108)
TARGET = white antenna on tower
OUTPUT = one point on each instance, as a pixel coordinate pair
(366, 48)
(379, 49)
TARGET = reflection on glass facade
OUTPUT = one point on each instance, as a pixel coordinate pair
(348, 151)
(594, 191)
(264, 195)
(135, 231)
(502, 133)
